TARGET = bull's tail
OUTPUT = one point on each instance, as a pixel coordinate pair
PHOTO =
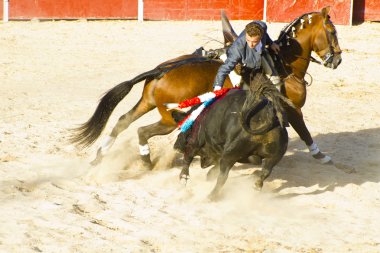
(88, 133)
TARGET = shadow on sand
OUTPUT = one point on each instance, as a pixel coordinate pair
(356, 157)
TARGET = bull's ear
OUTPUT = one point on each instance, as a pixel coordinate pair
(325, 13)
(228, 32)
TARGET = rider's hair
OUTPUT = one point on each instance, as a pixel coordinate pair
(254, 29)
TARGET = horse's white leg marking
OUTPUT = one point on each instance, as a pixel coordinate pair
(144, 149)
(107, 143)
(313, 149)
(235, 78)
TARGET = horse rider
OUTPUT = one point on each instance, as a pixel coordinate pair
(249, 50)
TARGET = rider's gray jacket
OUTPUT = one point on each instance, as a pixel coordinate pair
(240, 52)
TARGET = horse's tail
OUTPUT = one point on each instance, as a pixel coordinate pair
(88, 133)
(228, 32)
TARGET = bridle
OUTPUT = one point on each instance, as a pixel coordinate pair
(327, 54)
(328, 57)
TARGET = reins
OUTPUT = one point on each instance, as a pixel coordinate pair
(292, 75)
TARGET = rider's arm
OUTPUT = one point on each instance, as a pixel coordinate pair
(233, 57)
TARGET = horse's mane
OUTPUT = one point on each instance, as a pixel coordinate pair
(288, 28)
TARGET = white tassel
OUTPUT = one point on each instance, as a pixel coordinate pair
(309, 16)
(294, 32)
(206, 96)
(302, 23)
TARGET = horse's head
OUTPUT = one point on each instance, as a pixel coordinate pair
(325, 40)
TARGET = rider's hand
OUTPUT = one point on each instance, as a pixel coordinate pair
(275, 47)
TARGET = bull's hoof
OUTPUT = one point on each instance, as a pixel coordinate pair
(98, 158)
(184, 174)
(183, 179)
(258, 185)
(146, 162)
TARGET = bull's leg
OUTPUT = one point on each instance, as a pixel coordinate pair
(295, 118)
(123, 123)
(225, 166)
(187, 159)
(266, 170)
(213, 172)
(145, 133)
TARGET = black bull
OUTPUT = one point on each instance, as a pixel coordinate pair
(243, 124)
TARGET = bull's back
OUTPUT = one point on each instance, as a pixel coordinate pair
(221, 131)
(222, 119)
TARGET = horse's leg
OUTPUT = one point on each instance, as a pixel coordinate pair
(295, 118)
(146, 132)
(123, 123)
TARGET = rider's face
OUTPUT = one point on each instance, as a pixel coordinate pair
(252, 41)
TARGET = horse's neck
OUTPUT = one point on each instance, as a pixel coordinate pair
(298, 53)
(301, 61)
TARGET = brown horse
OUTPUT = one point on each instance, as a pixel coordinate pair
(191, 75)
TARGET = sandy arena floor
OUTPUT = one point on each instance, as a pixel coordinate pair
(52, 76)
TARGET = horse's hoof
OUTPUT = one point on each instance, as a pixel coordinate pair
(147, 166)
(322, 158)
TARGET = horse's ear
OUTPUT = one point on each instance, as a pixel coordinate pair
(228, 32)
(325, 13)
